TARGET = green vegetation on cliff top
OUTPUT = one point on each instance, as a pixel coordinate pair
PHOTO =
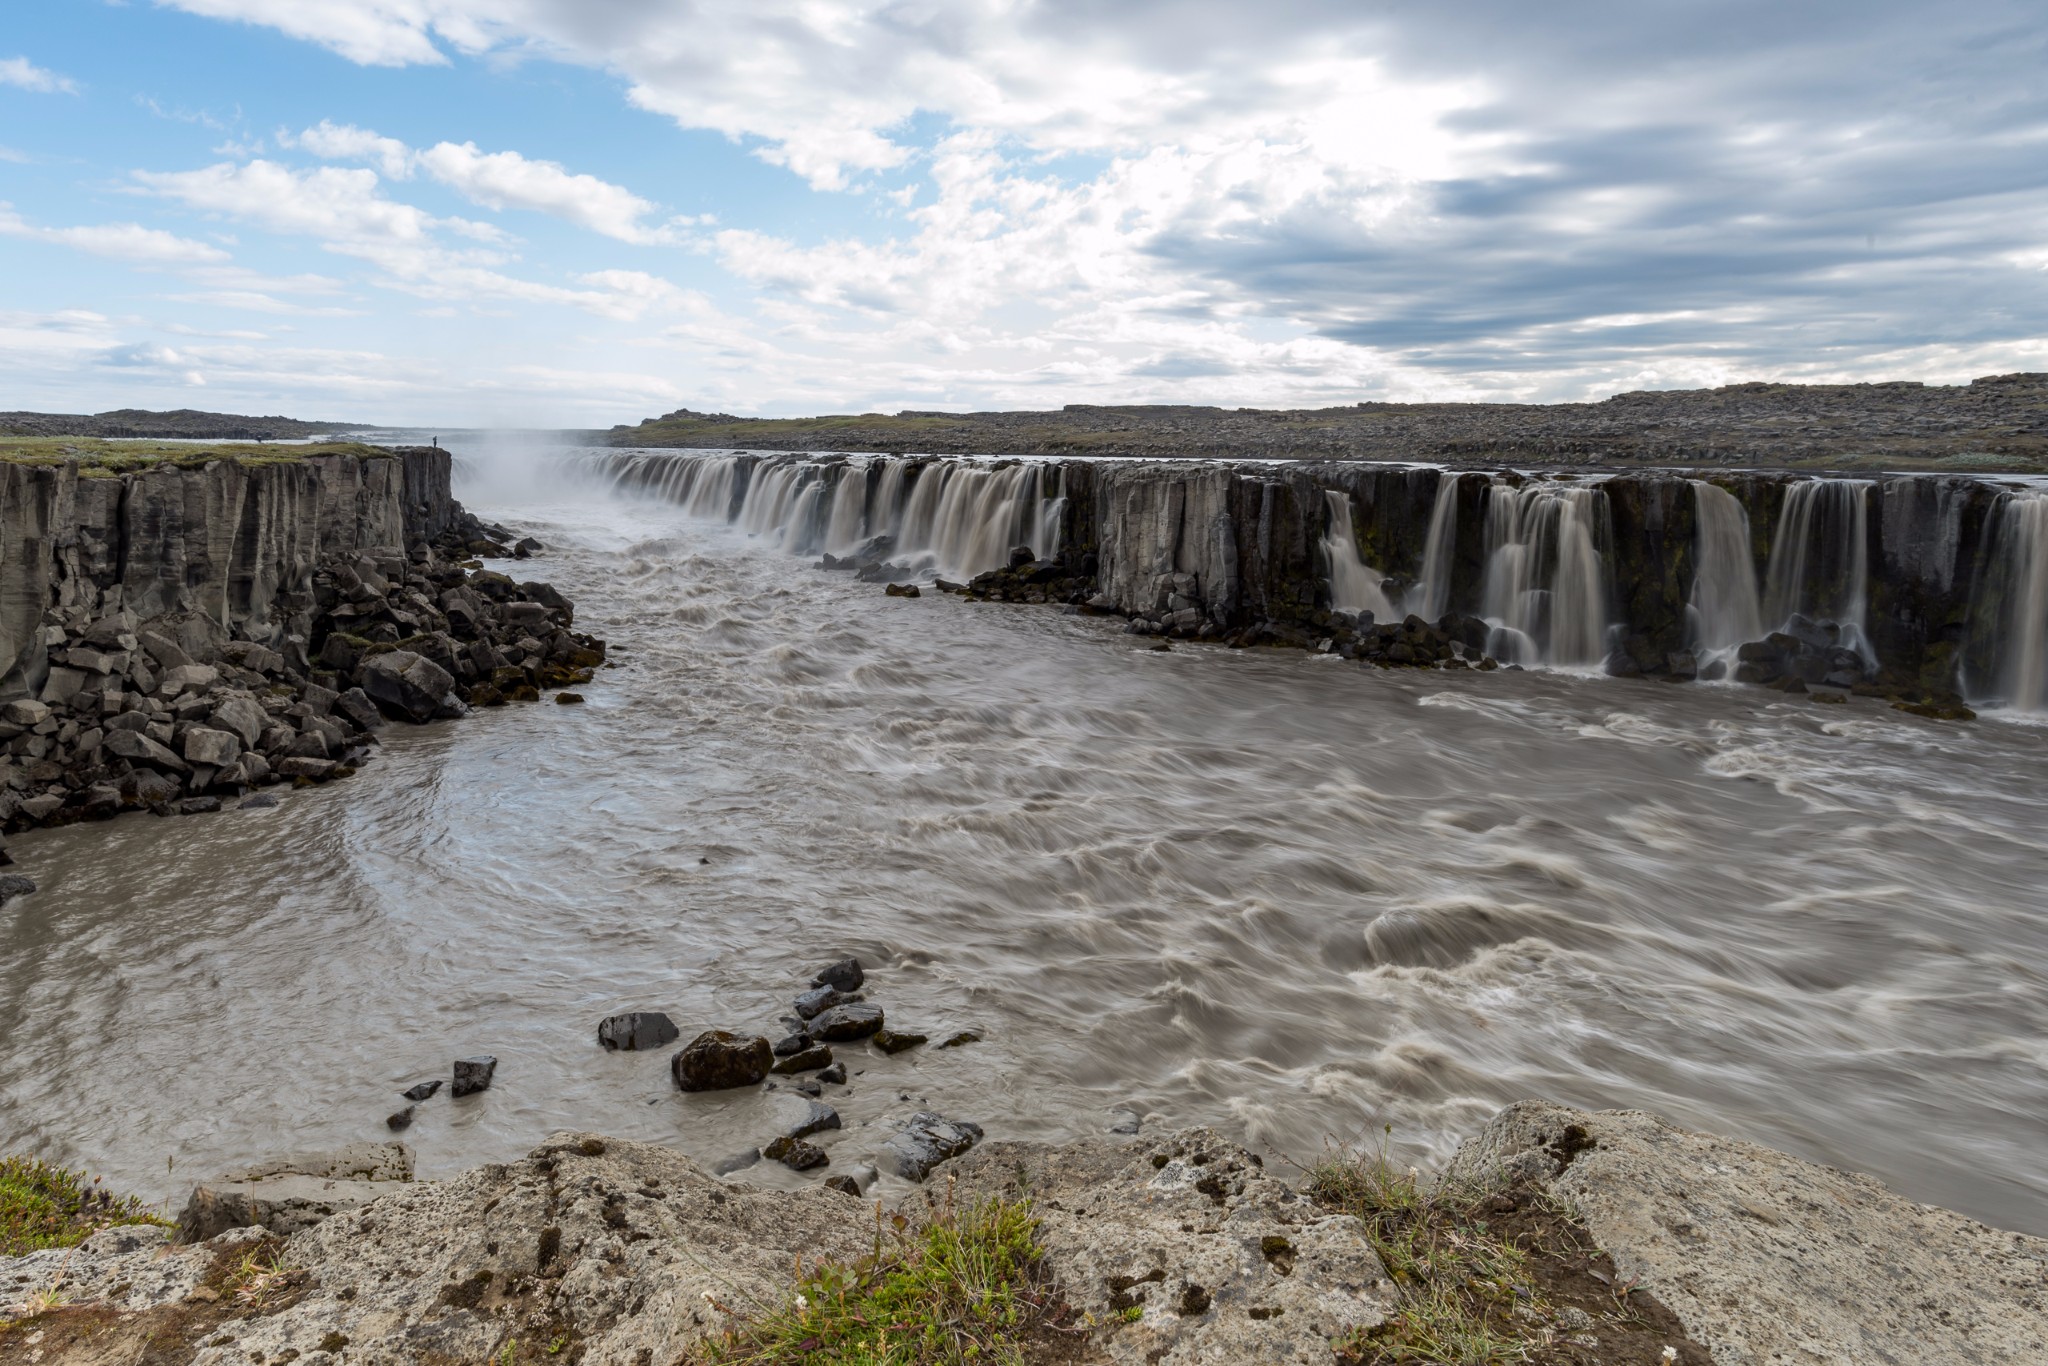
(102, 458)
(43, 1206)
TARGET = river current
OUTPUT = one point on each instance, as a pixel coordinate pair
(1262, 890)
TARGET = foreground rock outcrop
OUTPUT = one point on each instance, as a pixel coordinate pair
(1181, 1248)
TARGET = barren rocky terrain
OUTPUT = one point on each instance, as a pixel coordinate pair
(1995, 423)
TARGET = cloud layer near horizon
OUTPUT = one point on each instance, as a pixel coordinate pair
(1183, 200)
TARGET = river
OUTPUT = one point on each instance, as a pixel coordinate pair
(1262, 890)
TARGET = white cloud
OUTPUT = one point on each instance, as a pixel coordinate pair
(346, 211)
(120, 241)
(23, 74)
(495, 180)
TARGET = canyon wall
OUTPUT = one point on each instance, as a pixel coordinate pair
(227, 549)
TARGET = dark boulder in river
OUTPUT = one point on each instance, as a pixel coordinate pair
(473, 1075)
(406, 685)
(842, 1024)
(846, 975)
(926, 1141)
(718, 1060)
(637, 1030)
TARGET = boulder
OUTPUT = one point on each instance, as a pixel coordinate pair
(637, 1030)
(717, 1060)
(817, 1055)
(24, 712)
(796, 1154)
(217, 748)
(792, 1043)
(925, 1141)
(292, 1193)
(138, 748)
(891, 1041)
(13, 885)
(816, 1119)
(842, 1024)
(355, 707)
(407, 686)
(187, 678)
(473, 1075)
(419, 1090)
(401, 1121)
(242, 717)
(820, 999)
(845, 974)
(835, 1074)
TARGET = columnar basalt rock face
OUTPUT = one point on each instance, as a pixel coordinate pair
(232, 547)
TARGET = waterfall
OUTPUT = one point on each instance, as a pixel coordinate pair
(1430, 598)
(849, 509)
(955, 518)
(1820, 559)
(1546, 577)
(1723, 612)
(1355, 586)
(2018, 577)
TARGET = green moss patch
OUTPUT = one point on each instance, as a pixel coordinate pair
(963, 1286)
(44, 1206)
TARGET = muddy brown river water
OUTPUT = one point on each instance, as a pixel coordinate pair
(1262, 890)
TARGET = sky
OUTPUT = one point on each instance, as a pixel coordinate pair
(587, 212)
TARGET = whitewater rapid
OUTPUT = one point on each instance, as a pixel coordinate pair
(1268, 891)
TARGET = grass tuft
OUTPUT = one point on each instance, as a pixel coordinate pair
(43, 1206)
(963, 1286)
(1460, 1287)
(98, 458)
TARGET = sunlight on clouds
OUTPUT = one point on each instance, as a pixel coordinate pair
(121, 241)
(23, 74)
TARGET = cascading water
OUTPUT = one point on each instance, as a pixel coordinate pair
(950, 517)
(2018, 579)
(1355, 586)
(1546, 573)
(1820, 561)
(1724, 612)
(1430, 598)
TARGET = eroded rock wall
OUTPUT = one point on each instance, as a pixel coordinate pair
(228, 548)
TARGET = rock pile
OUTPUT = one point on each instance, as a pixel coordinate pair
(151, 715)
(833, 1010)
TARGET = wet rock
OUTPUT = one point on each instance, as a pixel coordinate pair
(896, 1041)
(792, 1044)
(834, 1075)
(816, 1119)
(292, 1193)
(262, 801)
(422, 1090)
(13, 885)
(817, 1055)
(355, 707)
(473, 1075)
(902, 590)
(964, 1037)
(845, 1185)
(845, 975)
(738, 1162)
(796, 1154)
(926, 1141)
(842, 1024)
(717, 1060)
(637, 1030)
(568, 699)
(407, 686)
(198, 806)
(401, 1121)
(820, 999)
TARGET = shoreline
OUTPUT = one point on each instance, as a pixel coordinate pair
(1177, 1247)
